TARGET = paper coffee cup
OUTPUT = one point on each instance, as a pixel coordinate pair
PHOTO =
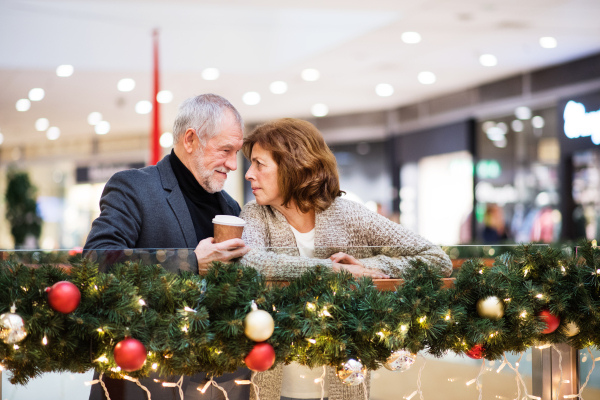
(228, 227)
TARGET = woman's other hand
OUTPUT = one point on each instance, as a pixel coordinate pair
(347, 262)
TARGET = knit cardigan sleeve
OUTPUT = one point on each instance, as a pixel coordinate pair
(394, 246)
(274, 263)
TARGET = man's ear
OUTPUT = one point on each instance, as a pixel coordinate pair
(190, 140)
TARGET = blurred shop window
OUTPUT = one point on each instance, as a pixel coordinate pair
(436, 196)
(81, 208)
(517, 178)
(586, 193)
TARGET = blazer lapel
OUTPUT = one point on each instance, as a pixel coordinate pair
(177, 202)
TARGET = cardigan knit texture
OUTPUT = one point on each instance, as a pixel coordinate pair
(345, 226)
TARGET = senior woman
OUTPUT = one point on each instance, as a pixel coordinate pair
(299, 221)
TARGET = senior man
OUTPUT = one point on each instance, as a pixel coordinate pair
(171, 205)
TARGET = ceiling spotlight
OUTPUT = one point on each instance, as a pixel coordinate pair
(319, 110)
(500, 143)
(64, 70)
(102, 128)
(166, 140)
(488, 60)
(23, 105)
(495, 134)
(164, 96)
(126, 85)
(143, 107)
(278, 87)
(310, 74)
(210, 74)
(53, 133)
(42, 124)
(503, 127)
(538, 122)
(36, 94)
(426, 77)
(487, 125)
(411, 37)
(251, 98)
(94, 118)
(523, 112)
(517, 125)
(548, 42)
(384, 90)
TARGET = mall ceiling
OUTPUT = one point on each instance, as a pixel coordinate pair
(354, 44)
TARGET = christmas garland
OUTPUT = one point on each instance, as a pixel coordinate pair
(144, 319)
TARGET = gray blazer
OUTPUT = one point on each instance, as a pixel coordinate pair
(145, 208)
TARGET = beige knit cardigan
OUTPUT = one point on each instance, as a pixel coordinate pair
(345, 226)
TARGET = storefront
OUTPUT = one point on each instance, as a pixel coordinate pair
(435, 175)
(579, 137)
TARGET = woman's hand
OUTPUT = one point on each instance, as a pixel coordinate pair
(355, 267)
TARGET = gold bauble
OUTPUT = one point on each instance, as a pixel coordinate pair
(490, 307)
(259, 325)
(12, 328)
(571, 329)
(400, 361)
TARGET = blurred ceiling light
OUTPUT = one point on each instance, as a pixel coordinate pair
(42, 124)
(488, 60)
(23, 105)
(36, 94)
(495, 134)
(411, 37)
(1, 138)
(164, 97)
(426, 77)
(251, 98)
(384, 90)
(538, 122)
(64, 70)
(53, 133)
(210, 74)
(102, 128)
(517, 125)
(523, 112)
(166, 140)
(94, 118)
(310, 74)
(487, 125)
(143, 107)
(278, 87)
(548, 42)
(503, 127)
(126, 85)
(500, 143)
(319, 110)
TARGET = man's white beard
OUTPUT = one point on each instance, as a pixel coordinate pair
(208, 179)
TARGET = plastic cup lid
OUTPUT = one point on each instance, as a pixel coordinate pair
(228, 220)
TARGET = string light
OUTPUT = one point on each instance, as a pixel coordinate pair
(403, 328)
(523, 314)
(447, 317)
(539, 295)
(313, 341)
(201, 390)
(16, 347)
(186, 308)
(422, 319)
(154, 366)
(243, 382)
(100, 330)
(525, 272)
(381, 335)
(311, 306)
(142, 302)
(102, 358)
(45, 340)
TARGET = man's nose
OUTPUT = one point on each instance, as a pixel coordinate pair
(231, 162)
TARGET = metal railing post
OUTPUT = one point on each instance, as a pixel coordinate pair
(546, 372)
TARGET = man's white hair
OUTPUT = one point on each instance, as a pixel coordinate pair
(204, 114)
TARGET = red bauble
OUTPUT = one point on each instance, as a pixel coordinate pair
(63, 297)
(261, 357)
(552, 321)
(476, 352)
(130, 354)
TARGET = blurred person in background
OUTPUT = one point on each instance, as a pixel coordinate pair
(171, 205)
(299, 221)
(494, 230)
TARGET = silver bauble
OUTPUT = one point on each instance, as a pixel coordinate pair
(400, 361)
(12, 328)
(571, 329)
(491, 307)
(259, 325)
(352, 373)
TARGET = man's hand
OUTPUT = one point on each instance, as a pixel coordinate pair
(355, 267)
(207, 251)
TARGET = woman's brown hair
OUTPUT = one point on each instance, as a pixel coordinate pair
(307, 170)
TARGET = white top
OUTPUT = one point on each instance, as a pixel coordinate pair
(299, 381)
(305, 243)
